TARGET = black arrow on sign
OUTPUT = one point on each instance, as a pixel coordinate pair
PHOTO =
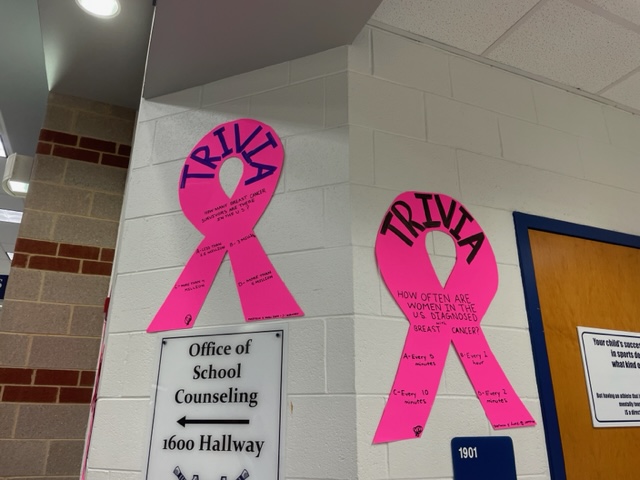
(219, 421)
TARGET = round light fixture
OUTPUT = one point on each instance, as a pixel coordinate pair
(100, 8)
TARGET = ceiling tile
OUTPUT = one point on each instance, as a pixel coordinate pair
(570, 45)
(470, 25)
(627, 9)
(626, 92)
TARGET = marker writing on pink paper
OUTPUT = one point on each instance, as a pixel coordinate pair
(227, 225)
(440, 315)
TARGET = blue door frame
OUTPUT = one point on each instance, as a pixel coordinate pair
(524, 223)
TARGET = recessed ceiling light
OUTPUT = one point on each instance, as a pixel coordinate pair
(100, 8)
(10, 216)
(3, 151)
(10, 255)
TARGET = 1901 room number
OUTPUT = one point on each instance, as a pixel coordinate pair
(468, 452)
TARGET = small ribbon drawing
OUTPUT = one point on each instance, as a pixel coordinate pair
(227, 225)
(440, 315)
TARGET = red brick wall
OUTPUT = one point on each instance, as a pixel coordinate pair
(52, 316)
(62, 257)
(85, 149)
(42, 385)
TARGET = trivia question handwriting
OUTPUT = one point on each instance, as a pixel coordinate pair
(440, 315)
(227, 225)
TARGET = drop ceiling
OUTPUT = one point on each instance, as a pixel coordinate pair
(592, 46)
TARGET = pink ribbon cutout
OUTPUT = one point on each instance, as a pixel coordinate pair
(227, 225)
(439, 315)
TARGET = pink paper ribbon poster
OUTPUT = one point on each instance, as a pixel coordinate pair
(440, 315)
(227, 225)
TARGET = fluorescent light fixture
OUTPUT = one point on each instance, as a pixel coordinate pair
(17, 173)
(10, 216)
(3, 150)
(18, 187)
(10, 255)
(100, 8)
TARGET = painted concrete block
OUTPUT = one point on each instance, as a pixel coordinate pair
(499, 227)
(360, 52)
(120, 434)
(170, 104)
(291, 110)
(430, 455)
(379, 343)
(176, 135)
(337, 216)
(320, 280)
(385, 106)
(570, 113)
(306, 367)
(336, 102)
(410, 63)
(157, 242)
(369, 205)
(130, 361)
(492, 88)
(366, 291)
(142, 148)
(604, 163)
(460, 125)
(317, 159)
(361, 155)
(250, 83)
(372, 459)
(163, 180)
(319, 64)
(623, 128)
(136, 298)
(311, 422)
(540, 147)
(507, 308)
(293, 221)
(340, 354)
(405, 164)
(496, 183)
(512, 348)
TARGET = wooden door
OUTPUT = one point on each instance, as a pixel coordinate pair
(588, 283)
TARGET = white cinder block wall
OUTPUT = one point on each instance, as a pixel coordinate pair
(423, 119)
(361, 125)
(305, 230)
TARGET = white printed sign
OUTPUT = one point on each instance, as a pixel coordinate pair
(218, 406)
(611, 360)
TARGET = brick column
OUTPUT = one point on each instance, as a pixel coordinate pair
(52, 316)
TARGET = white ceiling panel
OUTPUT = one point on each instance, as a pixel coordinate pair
(626, 9)
(471, 25)
(96, 58)
(570, 45)
(627, 92)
